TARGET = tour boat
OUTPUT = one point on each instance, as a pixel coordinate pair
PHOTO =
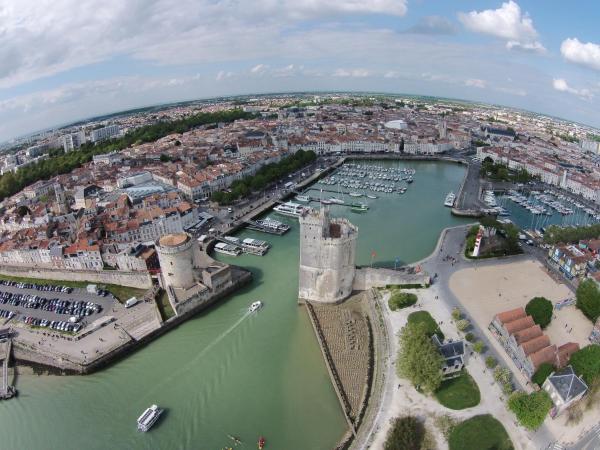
(290, 209)
(450, 199)
(261, 443)
(255, 306)
(228, 249)
(302, 198)
(149, 418)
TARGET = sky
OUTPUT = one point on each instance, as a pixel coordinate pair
(64, 60)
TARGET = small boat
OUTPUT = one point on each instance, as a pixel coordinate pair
(236, 440)
(450, 199)
(371, 196)
(255, 306)
(148, 418)
(336, 200)
(302, 198)
(410, 180)
(360, 207)
(261, 443)
(355, 194)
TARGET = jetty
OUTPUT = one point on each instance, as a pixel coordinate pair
(6, 390)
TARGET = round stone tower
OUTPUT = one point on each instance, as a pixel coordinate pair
(176, 253)
(327, 257)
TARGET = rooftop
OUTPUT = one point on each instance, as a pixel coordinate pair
(173, 240)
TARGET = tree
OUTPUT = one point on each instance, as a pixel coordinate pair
(502, 375)
(406, 433)
(532, 409)
(586, 363)
(478, 347)
(456, 311)
(470, 337)
(542, 373)
(463, 324)
(490, 362)
(418, 359)
(540, 309)
(588, 299)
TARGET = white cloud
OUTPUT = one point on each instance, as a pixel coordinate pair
(223, 74)
(587, 54)
(506, 22)
(475, 82)
(45, 37)
(560, 84)
(354, 73)
(391, 74)
(259, 69)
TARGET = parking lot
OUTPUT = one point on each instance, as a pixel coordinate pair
(58, 308)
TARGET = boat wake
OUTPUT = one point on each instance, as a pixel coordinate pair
(204, 351)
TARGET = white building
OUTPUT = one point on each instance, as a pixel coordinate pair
(73, 141)
(101, 134)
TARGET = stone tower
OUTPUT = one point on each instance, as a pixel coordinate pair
(179, 256)
(327, 255)
(61, 199)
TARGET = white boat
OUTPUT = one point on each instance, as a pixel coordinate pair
(227, 249)
(450, 198)
(290, 209)
(149, 418)
(302, 198)
(255, 306)
(336, 200)
(371, 196)
(355, 194)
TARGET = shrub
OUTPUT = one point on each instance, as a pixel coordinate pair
(400, 300)
(445, 424)
(456, 314)
(470, 337)
(478, 347)
(586, 363)
(588, 299)
(507, 388)
(490, 362)
(463, 324)
(540, 309)
(542, 373)
(532, 409)
(406, 433)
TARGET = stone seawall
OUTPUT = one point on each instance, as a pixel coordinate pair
(370, 277)
(141, 280)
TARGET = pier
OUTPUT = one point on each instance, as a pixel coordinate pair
(6, 391)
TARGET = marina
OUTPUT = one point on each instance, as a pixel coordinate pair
(200, 372)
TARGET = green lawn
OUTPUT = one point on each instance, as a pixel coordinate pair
(430, 323)
(459, 393)
(122, 293)
(164, 306)
(480, 433)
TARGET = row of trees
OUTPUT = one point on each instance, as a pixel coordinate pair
(500, 172)
(265, 176)
(60, 162)
(555, 234)
(588, 299)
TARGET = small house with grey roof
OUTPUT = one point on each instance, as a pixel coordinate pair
(453, 354)
(565, 388)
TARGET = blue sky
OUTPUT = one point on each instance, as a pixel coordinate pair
(64, 60)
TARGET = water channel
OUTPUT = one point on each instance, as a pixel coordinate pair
(225, 372)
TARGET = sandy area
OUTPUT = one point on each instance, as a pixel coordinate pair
(486, 291)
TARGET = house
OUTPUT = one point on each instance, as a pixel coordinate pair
(453, 354)
(526, 343)
(571, 260)
(565, 388)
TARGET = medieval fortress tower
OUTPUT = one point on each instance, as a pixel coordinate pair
(327, 255)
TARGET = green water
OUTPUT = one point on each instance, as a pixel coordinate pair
(225, 372)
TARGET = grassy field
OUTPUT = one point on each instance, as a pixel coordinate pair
(122, 293)
(481, 433)
(459, 393)
(164, 306)
(430, 323)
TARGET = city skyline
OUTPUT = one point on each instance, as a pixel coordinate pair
(64, 62)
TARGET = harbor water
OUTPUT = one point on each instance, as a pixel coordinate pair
(227, 372)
